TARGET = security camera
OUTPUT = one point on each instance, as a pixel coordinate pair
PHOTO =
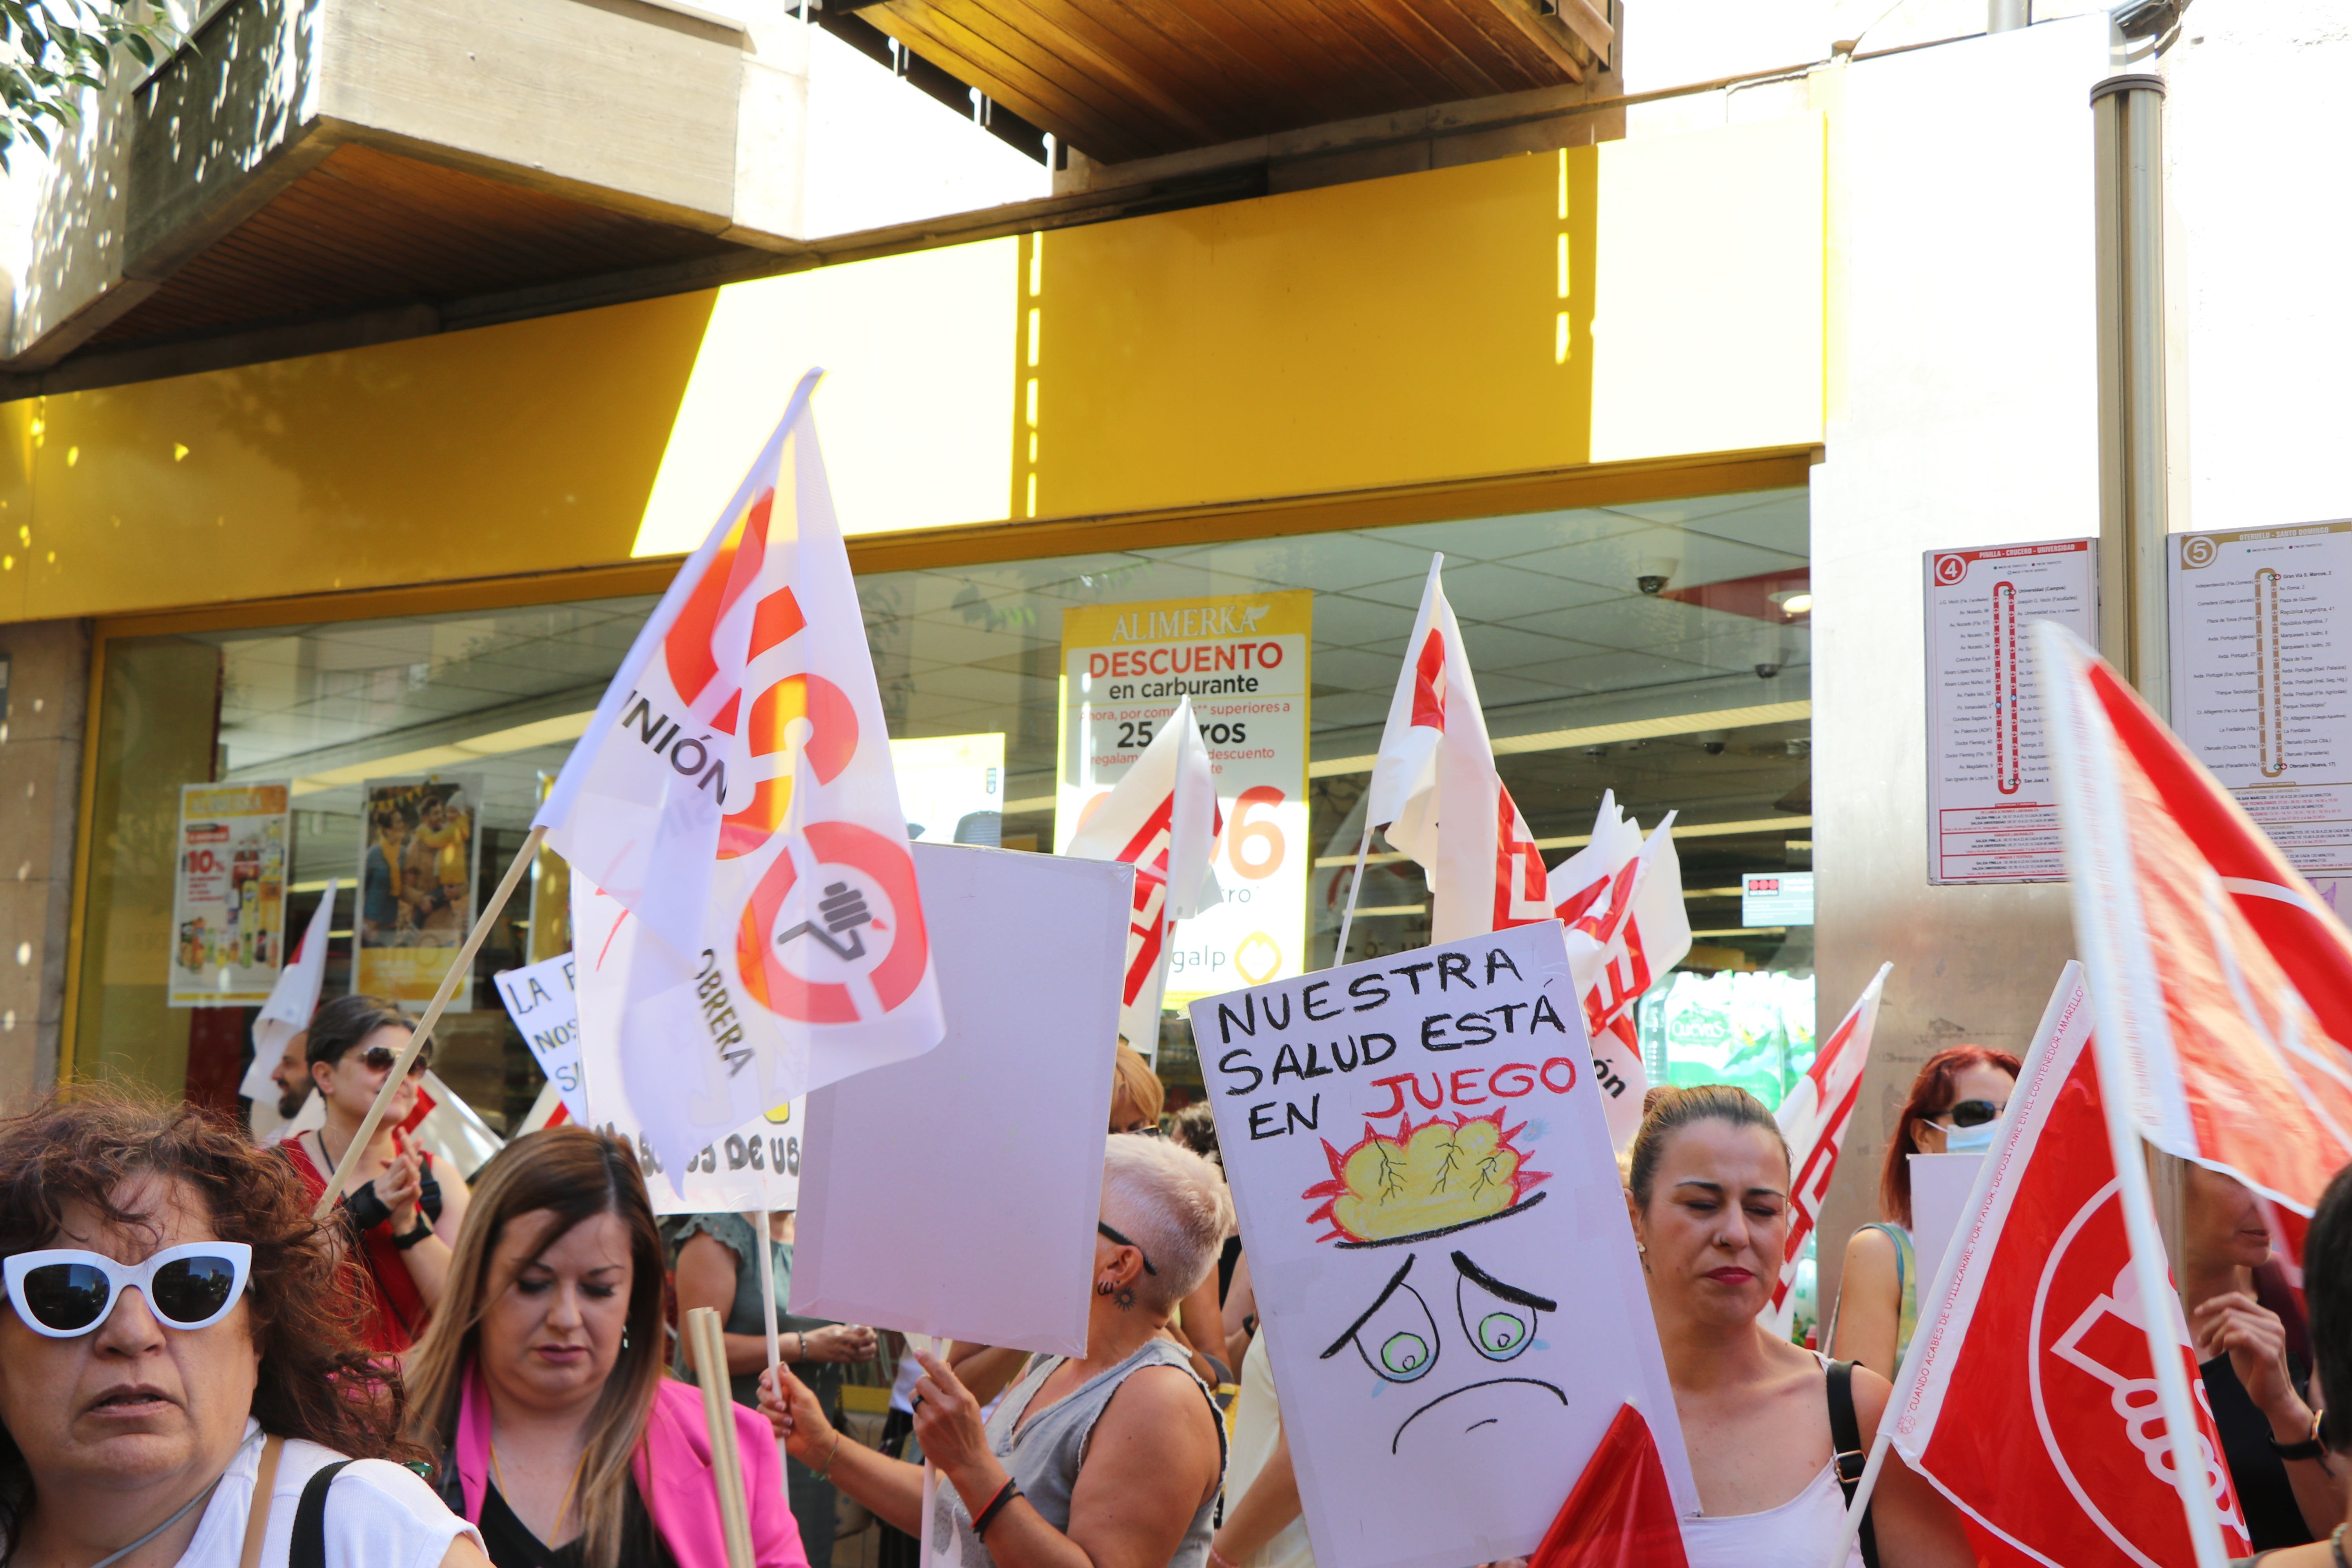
(1655, 573)
(1651, 582)
(1711, 741)
(1767, 671)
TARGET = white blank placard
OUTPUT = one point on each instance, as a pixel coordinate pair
(956, 1193)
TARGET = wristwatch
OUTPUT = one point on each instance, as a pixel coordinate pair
(423, 1228)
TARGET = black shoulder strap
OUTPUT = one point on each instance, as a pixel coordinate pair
(1845, 1435)
(309, 1546)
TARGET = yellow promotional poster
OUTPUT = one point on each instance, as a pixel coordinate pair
(1243, 659)
(418, 857)
(228, 895)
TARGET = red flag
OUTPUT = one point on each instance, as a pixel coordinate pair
(2030, 1397)
(1813, 1121)
(1620, 1513)
(2216, 969)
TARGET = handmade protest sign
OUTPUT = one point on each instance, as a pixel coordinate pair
(956, 1193)
(545, 1006)
(1439, 1244)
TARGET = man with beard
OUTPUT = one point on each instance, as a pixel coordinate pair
(292, 1076)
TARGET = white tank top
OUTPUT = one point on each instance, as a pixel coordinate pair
(1797, 1534)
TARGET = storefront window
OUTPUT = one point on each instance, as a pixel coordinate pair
(1660, 649)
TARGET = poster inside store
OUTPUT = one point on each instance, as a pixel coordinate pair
(419, 852)
(229, 894)
(1243, 659)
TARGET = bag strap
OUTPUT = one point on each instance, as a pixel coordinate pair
(1845, 1437)
(310, 1547)
(257, 1518)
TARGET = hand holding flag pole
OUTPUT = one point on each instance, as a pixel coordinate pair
(461, 966)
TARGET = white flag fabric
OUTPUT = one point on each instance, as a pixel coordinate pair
(1621, 896)
(734, 794)
(1435, 793)
(1162, 819)
(287, 1014)
(1813, 1120)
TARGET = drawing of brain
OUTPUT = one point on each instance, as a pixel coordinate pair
(1429, 1180)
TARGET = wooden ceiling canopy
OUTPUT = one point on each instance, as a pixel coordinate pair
(1134, 79)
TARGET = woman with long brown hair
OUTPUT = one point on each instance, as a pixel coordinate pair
(177, 1382)
(1954, 1108)
(541, 1383)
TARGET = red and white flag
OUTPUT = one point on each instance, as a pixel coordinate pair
(1437, 796)
(2029, 1396)
(292, 999)
(2215, 967)
(1621, 1512)
(734, 794)
(1621, 896)
(1813, 1120)
(1162, 819)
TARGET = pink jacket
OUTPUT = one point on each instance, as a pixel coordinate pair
(673, 1474)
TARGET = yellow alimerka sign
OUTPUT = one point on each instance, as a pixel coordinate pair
(1242, 660)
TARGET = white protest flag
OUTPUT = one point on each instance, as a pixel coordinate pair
(287, 1014)
(1813, 1120)
(734, 795)
(1162, 819)
(754, 1163)
(1437, 795)
(2219, 973)
(1621, 896)
(2031, 1394)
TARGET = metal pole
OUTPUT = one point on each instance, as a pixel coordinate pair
(2008, 16)
(2128, 121)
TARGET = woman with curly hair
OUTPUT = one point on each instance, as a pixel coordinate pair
(175, 1384)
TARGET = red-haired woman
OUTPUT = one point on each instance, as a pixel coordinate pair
(1955, 1108)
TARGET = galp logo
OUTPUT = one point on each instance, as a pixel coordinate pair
(2093, 1388)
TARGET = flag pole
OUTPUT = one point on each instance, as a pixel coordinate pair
(421, 1034)
(768, 1298)
(2158, 1304)
(1354, 885)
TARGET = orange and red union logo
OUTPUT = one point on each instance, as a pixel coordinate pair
(833, 932)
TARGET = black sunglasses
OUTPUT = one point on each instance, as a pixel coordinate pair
(1969, 1113)
(1120, 1241)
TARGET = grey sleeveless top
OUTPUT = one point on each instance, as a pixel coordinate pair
(1045, 1455)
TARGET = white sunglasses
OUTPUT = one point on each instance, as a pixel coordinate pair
(64, 1292)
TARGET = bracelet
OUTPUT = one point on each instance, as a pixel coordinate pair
(1005, 1494)
(803, 1357)
(2311, 1448)
(830, 1455)
(423, 1229)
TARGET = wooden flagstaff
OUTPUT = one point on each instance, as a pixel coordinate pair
(423, 1034)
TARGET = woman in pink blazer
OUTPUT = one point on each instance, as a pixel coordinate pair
(541, 1383)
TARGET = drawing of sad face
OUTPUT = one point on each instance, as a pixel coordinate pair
(1479, 1398)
